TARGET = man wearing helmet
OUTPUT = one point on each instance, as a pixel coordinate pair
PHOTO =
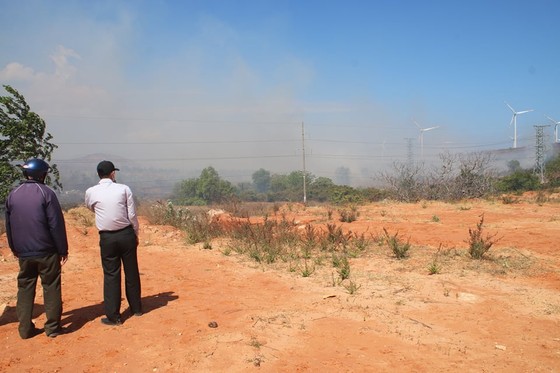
(115, 217)
(37, 237)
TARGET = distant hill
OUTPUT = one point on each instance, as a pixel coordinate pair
(146, 182)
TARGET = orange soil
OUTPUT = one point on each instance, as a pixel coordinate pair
(496, 315)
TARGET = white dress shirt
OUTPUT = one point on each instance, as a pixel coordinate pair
(113, 205)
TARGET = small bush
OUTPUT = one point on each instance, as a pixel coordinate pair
(399, 248)
(359, 243)
(329, 213)
(335, 237)
(307, 270)
(165, 213)
(541, 198)
(509, 199)
(348, 216)
(351, 287)
(342, 265)
(478, 244)
(434, 267)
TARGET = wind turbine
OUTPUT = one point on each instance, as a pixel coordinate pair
(555, 127)
(422, 130)
(514, 122)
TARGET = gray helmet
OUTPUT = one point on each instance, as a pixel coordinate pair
(36, 169)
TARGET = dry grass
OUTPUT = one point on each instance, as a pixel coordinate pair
(83, 218)
(324, 248)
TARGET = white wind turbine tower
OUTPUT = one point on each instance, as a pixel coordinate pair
(422, 130)
(514, 122)
(556, 123)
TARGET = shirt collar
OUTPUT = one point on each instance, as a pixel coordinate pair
(105, 181)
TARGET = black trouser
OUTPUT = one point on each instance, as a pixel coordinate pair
(48, 268)
(120, 246)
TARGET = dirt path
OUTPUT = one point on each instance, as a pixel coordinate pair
(499, 315)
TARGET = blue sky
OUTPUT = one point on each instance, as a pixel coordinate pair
(188, 84)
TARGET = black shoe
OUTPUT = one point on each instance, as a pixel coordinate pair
(108, 321)
(138, 313)
(56, 333)
(34, 332)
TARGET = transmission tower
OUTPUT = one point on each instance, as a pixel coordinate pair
(409, 153)
(540, 151)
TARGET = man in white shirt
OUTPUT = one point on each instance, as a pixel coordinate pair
(116, 220)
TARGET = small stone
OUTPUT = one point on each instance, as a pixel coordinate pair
(213, 324)
(500, 347)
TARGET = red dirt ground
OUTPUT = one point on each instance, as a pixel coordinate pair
(500, 314)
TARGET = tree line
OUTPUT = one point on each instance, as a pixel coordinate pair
(23, 135)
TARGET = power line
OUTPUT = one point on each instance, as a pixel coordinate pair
(166, 120)
(175, 142)
(182, 159)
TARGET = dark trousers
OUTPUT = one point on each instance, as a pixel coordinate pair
(48, 268)
(116, 247)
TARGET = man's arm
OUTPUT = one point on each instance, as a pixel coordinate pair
(88, 200)
(9, 228)
(131, 210)
(57, 224)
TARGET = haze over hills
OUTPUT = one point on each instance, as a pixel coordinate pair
(149, 182)
(177, 86)
(146, 182)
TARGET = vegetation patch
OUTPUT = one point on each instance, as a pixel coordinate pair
(397, 245)
(478, 243)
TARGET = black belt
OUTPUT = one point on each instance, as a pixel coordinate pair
(118, 230)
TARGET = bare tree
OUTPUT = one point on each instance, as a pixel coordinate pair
(405, 181)
(459, 176)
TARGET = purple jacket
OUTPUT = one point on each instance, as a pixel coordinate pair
(34, 221)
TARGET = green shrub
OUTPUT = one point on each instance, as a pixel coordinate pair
(518, 181)
(478, 244)
(348, 216)
(342, 265)
(351, 287)
(398, 247)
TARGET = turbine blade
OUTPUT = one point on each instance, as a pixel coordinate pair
(510, 108)
(524, 111)
(552, 120)
(430, 128)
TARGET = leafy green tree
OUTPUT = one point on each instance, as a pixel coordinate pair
(552, 171)
(212, 188)
(22, 136)
(278, 183)
(344, 194)
(519, 181)
(372, 194)
(320, 189)
(295, 179)
(208, 188)
(261, 180)
(185, 193)
(288, 187)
